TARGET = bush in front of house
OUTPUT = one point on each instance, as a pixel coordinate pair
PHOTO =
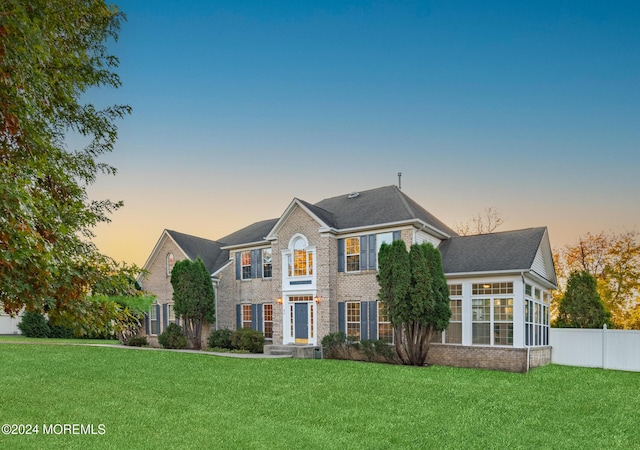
(34, 324)
(336, 346)
(247, 339)
(172, 337)
(220, 339)
(60, 332)
(136, 341)
(378, 350)
(339, 346)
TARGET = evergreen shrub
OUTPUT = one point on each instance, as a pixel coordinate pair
(34, 324)
(220, 339)
(172, 337)
(247, 339)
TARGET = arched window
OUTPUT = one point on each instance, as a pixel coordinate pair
(169, 263)
(301, 264)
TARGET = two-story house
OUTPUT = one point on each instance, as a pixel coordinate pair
(312, 271)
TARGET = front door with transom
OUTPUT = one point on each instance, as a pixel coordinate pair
(301, 323)
(300, 320)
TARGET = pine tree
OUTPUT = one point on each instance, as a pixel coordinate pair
(581, 305)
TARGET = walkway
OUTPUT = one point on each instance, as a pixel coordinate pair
(199, 352)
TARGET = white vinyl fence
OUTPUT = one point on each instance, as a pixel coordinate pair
(608, 349)
(8, 324)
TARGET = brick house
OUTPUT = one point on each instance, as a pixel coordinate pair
(312, 271)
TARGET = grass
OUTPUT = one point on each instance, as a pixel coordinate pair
(152, 399)
(17, 338)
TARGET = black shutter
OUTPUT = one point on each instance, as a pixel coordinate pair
(259, 263)
(373, 320)
(340, 255)
(363, 252)
(254, 317)
(341, 319)
(158, 318)
(147, 325)
(372, 252)
(238, 317)
(364, 321)
(254, 264)
(164, 317)
(238, 277)
(259, 317)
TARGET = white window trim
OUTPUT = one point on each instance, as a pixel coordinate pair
(154, 310)
(264, 320)
(263, 263)
(544, 324)
(242, 266)
(347, 255)
(378, 322)
(169, 263)
(358, 321)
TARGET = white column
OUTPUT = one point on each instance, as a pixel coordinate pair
(467, 331)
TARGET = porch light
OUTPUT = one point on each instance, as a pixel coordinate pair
(318, 299)
(280, 300)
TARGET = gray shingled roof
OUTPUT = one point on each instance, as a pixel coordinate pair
(508, 250)
(253, 233)
(322, 214)
(375, 207)
(209, 251)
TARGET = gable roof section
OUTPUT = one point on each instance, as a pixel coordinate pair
(495, 252)
(192, 246)
(381, 206)
(378, 206)
(326, 217)
(251, 234)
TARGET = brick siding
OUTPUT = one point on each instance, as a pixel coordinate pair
(496, 358)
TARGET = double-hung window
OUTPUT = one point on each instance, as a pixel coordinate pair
(246, 264)
(267, 267)
(481, 321)
(267, 315)
(171, 315)
(169, 263)
(352, 251)
(385, 330)
(492, 313)
(536, 316)
(153, 320)
(353, 320)
(453, 334)
(503, 321)
(246, 316)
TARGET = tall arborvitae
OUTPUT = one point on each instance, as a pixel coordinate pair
(414, 290)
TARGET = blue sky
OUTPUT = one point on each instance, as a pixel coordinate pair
(239, 106)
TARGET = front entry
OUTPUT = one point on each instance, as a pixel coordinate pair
(301, 321)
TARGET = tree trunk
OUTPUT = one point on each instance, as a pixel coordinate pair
(412, 343)
(192, 333)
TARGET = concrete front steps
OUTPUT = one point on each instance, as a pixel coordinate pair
(296, 351)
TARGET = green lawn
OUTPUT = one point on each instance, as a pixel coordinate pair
(154, 399)
(22, 339)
